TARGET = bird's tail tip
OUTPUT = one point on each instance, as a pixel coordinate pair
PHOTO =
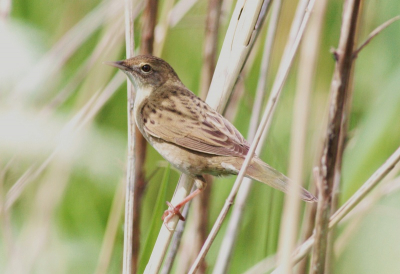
(262, 172)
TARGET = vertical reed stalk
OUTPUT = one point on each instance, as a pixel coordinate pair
(146, 47)
(339, 94)
(129, 265)
(228, 243)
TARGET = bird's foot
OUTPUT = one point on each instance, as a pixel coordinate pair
(171, 212)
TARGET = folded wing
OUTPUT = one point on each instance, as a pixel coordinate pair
(182, 118)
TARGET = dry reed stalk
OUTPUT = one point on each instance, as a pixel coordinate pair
(129, 262)
(230, 237)
(305, 79)
(327, 169)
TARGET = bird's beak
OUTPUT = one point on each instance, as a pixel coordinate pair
(118, 64)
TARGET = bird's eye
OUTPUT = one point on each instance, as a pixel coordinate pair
(146, 68)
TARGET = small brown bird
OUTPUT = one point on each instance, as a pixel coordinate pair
(187, 132)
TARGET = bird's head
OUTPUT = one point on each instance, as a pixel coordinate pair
(146, 71)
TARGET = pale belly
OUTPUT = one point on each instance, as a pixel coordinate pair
(194, 163)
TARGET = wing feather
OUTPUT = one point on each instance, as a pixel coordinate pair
(182, 118)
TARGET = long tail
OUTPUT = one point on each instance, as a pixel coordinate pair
(260, 171)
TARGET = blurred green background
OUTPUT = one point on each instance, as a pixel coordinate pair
(62, 165)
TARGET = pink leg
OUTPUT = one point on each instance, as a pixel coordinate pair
(175, 210)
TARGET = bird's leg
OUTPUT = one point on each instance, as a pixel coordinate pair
(172, 210)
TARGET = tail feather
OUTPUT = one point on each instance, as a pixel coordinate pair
(262, 172)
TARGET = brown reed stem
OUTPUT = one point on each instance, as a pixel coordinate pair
(146, 47)
(339, 92)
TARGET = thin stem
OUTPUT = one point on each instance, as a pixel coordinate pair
(339, 92)
(129, 265)
(374, 33)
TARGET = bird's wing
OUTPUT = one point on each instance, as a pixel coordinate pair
(182, 118)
